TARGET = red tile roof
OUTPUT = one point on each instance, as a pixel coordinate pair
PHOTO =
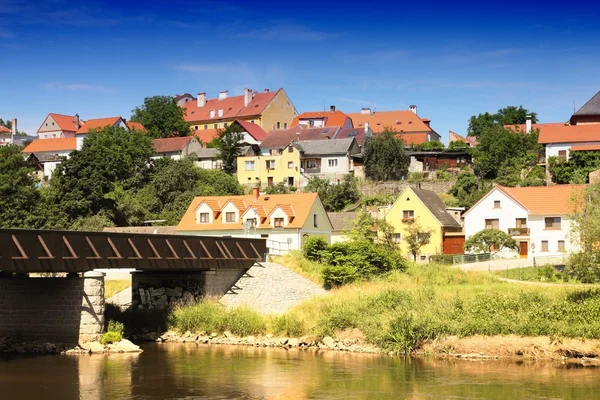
(332, 118)
(65, 122)
(253, 130)
(97, 123)
(206, 135)
(169, 145)
(357, 133)
(282, 137)
(544, 200)
(455, 137)
(4, 129)
(232, 107)
(47, 145)
(399, 121)
(136, 126)
(413, 138)
(561, 133)
(586, 148)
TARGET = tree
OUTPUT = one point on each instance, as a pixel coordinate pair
(433, 145)
(335, 197)
(384, 156)
(19, 198)
(576, 169)
(162, 117)
(486, 240)
(416, 237)
(457, 145)
(280, 188)
(468, 189)
(230, 143)
(363, 228)
(510, 115)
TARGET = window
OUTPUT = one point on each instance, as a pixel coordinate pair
(230, 217)
(291, 180)
(397, 237)
(285, 125)
(408, 215)
(521, 223)
(492, 224)
(249, 165)
(212, 113)
(562, 154)
(496, 203)
(561, 246)
(544, 245)
(290, 149)
(220, 112)
(196, 127)
(270, 164)
(279, 152)
(278, 222)
(215, 126)
(225, 124)
(251, 222)
(278, 125)
(290, 164)
(552, 222)
(252, 121)
(333, 163)
(205, 126)
(315, 221)
(204, 218)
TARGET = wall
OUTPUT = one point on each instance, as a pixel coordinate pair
(552, 149)
(280, 173)
(538, 232)
(59, 310)
(162, 291)
(280, 109)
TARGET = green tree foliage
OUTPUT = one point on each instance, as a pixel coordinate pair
(19, 198)
(335, 197)
(363, 228)
(457, 146)
(94, 223)
(8, 124)
(230, 143)
(486, 240)
(280, 188)
(576, 169)
(585, 233)
(313, 247)
(162, 117)
(468, 189)
(416, 237)
(510, 115)
(384, 157)
(434, 145)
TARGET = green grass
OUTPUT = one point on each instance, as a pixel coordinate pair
(114, 333)
(546, 273)
(295, 261)
(113, 287)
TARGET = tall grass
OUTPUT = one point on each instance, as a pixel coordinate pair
(296, 261)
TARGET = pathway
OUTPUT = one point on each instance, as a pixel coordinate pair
(121, 299)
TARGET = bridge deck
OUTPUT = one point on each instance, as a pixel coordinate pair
(24, 250)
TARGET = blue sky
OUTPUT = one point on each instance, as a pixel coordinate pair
(452, 60)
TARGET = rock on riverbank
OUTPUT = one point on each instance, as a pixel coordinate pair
(11, 345)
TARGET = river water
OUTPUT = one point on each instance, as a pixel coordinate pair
(190, 371)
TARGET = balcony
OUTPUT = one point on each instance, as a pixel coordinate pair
(315, 170)
(518, 231)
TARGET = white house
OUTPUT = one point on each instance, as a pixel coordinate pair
(331, 159)
(59, 126)
(176, 147)
(98, 124)
(49, 153)
(285, 220)
(537, 218)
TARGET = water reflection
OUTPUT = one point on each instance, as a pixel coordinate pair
(189, 371)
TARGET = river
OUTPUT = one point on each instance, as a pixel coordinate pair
(190, 371)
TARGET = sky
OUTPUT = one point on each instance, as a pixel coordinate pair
(451, 59)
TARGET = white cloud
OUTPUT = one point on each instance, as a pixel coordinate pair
(77, 87)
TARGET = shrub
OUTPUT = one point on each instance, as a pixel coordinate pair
(405, 334)
(442, 175)
(243, 321)
(313, 247)
(584, 267)
(114, 332)
(339, 275)
(446, 259)
(205, 316)
(287, 324)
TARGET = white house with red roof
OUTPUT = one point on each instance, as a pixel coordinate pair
(47, 154)
(538, 218)
(59, 126)
(98, 124)
(320, 119)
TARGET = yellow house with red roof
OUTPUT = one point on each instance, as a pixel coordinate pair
(285, 220)
(269, 110)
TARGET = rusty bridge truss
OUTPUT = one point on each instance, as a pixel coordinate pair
(24, 251)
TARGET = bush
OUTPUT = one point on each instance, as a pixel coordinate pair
(339, 275)
(243, 321)
(287, 324)
(442, 175)
(114, 333)
(405, 334)
(446, 259)
(313, 247)
(584, 267)
(205, 316)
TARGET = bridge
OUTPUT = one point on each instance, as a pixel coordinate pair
(50, 291)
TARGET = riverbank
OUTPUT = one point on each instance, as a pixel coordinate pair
(18, 346)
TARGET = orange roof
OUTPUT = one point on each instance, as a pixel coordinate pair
(232, 107)
(48, 145)
(4, 129)
(413, 138)
(97, 123)
(136, 126)
(455, 137)
(561, 133)
(332, 118)
(301, 203)
(64, 122)
(586, 148)
(206, 135)
(169, 145)
(400, 121)
(544, 200)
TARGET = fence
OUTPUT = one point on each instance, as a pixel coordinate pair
(275, 248)
(470, 258)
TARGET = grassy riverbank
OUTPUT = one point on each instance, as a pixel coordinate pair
(402, 310)
(546, 273)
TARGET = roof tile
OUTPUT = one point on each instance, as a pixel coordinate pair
(544, 200)
(332, 118)
(98, 123)
(169, 145)
(47, 145)
(561, 133)
(232, 107)
(399, 121)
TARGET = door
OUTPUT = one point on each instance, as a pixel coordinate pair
(270, 181)
(454, 244)
(523, 249)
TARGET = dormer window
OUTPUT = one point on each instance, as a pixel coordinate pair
(229, 217)
(212, 113)
(278, 222)
(220, 113)
(204, 218)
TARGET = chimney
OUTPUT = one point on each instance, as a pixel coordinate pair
(365, 110)
(413, 108)
(332, 108)
(201, 99)
(247, 96)
(77, 121)
(223, 94)
(366, 127)
(13, 125)
(255, 193)
(528, 124)
(266, 90)
(297, 136)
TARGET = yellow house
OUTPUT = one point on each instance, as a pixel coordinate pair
(285, 220)
(425, 208)
(269, 110)
(282, 166)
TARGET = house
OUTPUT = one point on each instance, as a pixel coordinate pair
(257, 168)
(98, 124)
(9, 136)
(269, 110)
(425, 208)
(209, 159)
(176, 147)
(432, 160)
(59, 126)
(589, 113)
(277, 140)
(285, 220)
(536, 217)
(469, 141)
(135, 126)
(341, 223)
(321, 119)
(252, 133)
(409, 126)
(49, 153)
(181, 99)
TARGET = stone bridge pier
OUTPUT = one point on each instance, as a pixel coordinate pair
(68, 310)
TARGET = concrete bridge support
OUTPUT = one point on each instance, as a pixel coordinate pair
(67, 310)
